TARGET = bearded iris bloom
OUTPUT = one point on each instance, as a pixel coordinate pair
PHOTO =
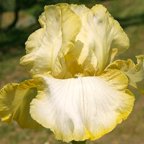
(77, 90)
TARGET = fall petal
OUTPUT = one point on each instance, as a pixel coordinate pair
(84, 107)
(15, 101)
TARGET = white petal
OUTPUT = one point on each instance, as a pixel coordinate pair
(84, 107)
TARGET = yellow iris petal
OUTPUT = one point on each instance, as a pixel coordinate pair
(135, 72)
(15, 103)
(100, 36)
(47, 47)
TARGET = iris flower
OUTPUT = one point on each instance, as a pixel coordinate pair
(78, 90)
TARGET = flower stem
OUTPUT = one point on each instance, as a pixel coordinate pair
(78, 142)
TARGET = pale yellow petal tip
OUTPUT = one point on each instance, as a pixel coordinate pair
(99, 8)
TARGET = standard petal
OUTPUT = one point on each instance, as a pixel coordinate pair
(74, 39)
(101, 36)
(15, 103)
(47, 47)
(135, 72)
(84, 107)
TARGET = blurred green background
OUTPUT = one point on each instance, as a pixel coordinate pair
(18, 18)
